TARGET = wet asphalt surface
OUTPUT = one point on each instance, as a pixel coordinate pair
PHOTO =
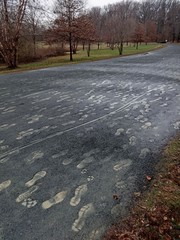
(71, 137)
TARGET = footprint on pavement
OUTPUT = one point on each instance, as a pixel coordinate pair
(144, 152)
(90, 178)
(84, 171)
(61, 154)
(84, 212)
(29, 203)
(177, 125)
(79, 192)
(121, 185)
(85, 162)
(26, 133)
(5, 185)
(36, 177)
(26, 194)
(115, 211)
(97, 233)
(58, 198)
(67, 161)
(34, 156)
(147, 125)
(93, 151)
(132, 141)
(123, 164)
(119, 132)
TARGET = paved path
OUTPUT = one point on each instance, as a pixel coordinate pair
(71, 137)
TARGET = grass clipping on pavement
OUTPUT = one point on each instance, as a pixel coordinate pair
(157, 214)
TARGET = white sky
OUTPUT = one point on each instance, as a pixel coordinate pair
(99, 3)
(89, 3)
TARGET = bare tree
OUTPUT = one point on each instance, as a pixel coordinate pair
(173, 21)
(97, 19)
(33, 21)
(11, 18)
(119, 23)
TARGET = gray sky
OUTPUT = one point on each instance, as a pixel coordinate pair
(89, 3)
(100, 3)
(93, 3)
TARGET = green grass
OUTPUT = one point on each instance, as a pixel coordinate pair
(81, 56)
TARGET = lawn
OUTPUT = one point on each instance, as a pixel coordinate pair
(103, 53)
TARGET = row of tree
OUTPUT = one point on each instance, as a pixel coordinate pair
(24, 22)
(129, 21)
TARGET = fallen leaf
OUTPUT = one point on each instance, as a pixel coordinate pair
(148, 178)
(116, 197)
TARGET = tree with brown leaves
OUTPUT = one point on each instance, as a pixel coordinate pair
(69, 11)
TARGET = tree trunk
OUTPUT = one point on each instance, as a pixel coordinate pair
(137, 45)
(98, 45)
(34, 39)
(112, 46)
(121, 52)
(15, 58)
(120, 48)
(74, 48)
(70, 46)
(89, 49)
(10, 57)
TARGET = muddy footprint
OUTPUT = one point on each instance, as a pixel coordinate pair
(5, 185)
(26, 194)
(58, 198)
(85, 162)
(36, 177)
(82, 215)
(79, 192)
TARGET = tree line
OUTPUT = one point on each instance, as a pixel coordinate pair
(26, 23)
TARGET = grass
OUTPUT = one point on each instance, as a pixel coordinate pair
(81, 56)
(156, 215)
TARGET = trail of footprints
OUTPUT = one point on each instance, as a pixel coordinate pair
(25, 198)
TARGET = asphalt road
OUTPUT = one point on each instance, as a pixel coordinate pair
(71, 137)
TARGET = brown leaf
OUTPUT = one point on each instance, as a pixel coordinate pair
(116, 197)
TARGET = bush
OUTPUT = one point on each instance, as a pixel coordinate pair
(27, 52)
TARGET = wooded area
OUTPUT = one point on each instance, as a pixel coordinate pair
(25, 24)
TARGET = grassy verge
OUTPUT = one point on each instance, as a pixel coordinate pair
(81, 56)
(157, 214)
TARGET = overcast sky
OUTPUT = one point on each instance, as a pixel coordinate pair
(93, 3)
(100, 3)
(89, 3)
